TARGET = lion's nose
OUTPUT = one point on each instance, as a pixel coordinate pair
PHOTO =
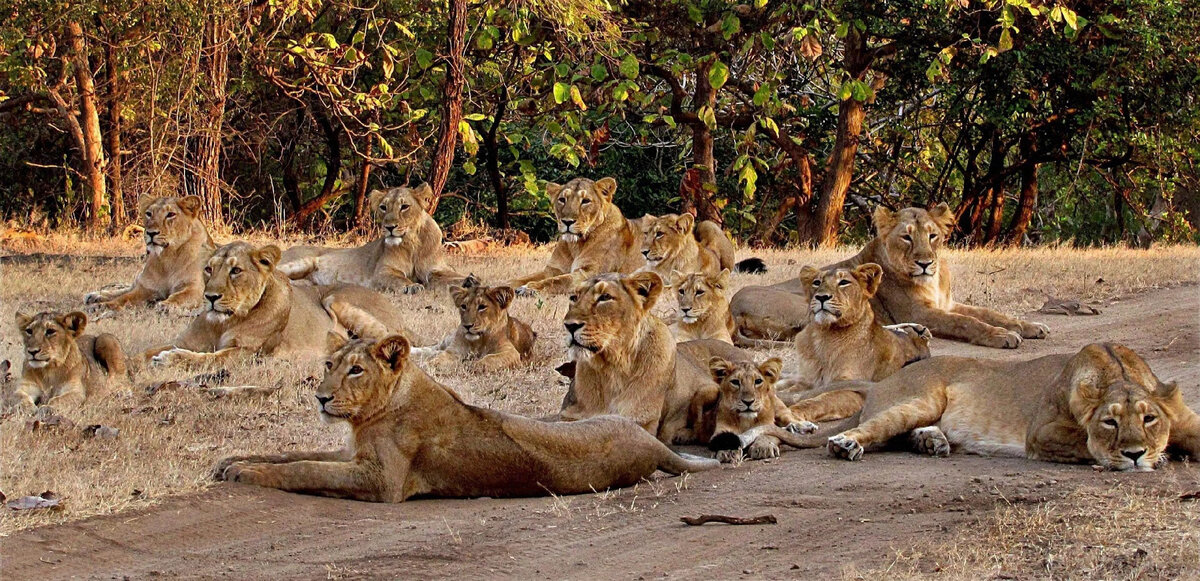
(924, 264)
(646, 253)
(823, 298)
(390, 229)
(152, 233)
(747, 402)
(323, 399)
(568, 223)
(212, 298)
(34, 351)
(572, 327)
(1134, 455)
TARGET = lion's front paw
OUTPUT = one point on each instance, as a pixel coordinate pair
(763, 448)
(1001, 338)
(801, 427)
(729, 456)
(684, 436)
(247, 473)
(170, 357)
(526, 291)
(413, 288)
(931, 440)
(845, 447)
(1033, 330)
(219, 471)
(93, 298)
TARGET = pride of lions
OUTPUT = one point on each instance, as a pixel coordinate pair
(861, 330)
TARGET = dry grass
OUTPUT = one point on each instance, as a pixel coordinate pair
(168, 441)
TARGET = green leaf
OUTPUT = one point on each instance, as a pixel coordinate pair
(475, 117)
(708, 116)
(469, 168)
(385, 147)
(694, 13)
(860, 90)
(1006, 42)
(718, 74)
(846, 91)
(1071, 18)
(730, 26)
(577, 98)
(762, 94)
(599, 72)
(424, 58)
(670, 121)
(562, 92)
(842, 30)
(629, 67)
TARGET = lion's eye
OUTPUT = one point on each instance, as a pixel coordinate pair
(816, 283)
(148, 215)
(681, 291)
(403, 207)
(29, 332)
(562, 200)
(758, 381)
(584, 202)
(356, 370)
(170, 215)
(699, 292)
(932, 237)
(481, 308)
(604, 297)
(1149, 419)
(382, 207)
(462, 307)
(843, 283)
(235, 270)
(208, 270)
(658, 235)
(573, 298)
(735, 383)
(50, 332)
(1110, 423)
(907, 238)
(329, 365)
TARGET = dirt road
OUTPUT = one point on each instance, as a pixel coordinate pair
(832, 514)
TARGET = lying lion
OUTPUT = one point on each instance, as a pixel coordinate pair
(62, 365)
(413, 436)
(703, 309)
(253, 309)
(407, 256)
(1101, 405)
(675, 242)
(487, 334)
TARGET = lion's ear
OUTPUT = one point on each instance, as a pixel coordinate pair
(606, 187)
(457, 293)
(333, 342)
(424, 195)
(1168, 390)
(74, 322)
(685, 222)
(944, 217)
(808, 274)
(503, 295)
(1087, 391)
(884, 219)
(375, 197)
(190, 205)
(471, 281)
(870, 275)
(23, 320)
(719, 368)
(645, 288)
(721, 280)
(770, 369)
(677, 277)
(267, 257)
(552, 189)
(391, 351)
(144, 203)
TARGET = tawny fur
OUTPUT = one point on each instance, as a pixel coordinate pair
(486, 333)
(62, 364)
(670, 244)
(703, 308)
(744, 404)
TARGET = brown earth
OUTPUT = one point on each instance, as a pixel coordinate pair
(834, 517)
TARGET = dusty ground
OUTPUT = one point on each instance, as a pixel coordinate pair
(893, 515)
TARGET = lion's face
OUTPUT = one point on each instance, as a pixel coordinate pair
(168, 221)
(746, 388)
(840, 297)
(398, 211)
(698, 292)
(360, 376)
(49, 336)
(666, 235)
(480, 308)
(605, 309)
(235, 278)
(580, 205)
(912, 238)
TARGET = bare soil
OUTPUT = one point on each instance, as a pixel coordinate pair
(834, 518)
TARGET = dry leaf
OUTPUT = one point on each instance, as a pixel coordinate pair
(44, 500)
(1055, 306)
(1193, 495)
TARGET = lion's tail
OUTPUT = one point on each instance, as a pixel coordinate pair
(817, 439)
(752, 265)
(299, 268)
(678, 463)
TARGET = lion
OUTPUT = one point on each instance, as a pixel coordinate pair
(177, 246)
(407, 256)
(253, 309)
(415, 437)
(676, 242)
(703, 310)
(844, 341)
(62, 365)
(748, 414)
(593, 238)
(916, 283)
(487, 333)
(1102, 405)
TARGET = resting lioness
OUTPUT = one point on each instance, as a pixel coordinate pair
(62, 365)
(844, 341)
(743, 412)
(253, 309)
(703, 310)
(593, 238)
(487, 333)
(177, 246)
(1101, 405)
(407, 256)
(413, 436)
(915, 287)
(675, 242)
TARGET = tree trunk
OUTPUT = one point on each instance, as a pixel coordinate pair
(823, 231)
(1029, 193)
(206, 163)
(92, 145)
(360, 189)
(800, 198)
(115, 98)
(291, 181)
(451, 107)
(492, 151)
(700, 185)
(333, 169)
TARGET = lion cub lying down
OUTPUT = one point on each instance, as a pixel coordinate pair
(413, 436)
(487, 333)
(1101, 405)
(62, 365)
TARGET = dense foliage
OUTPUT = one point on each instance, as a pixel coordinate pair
(1068, 120)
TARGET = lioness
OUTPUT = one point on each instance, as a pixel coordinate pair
(916, 283)
(748, 414)
(253, 309)
(413, 436)
(177, 246)
(407, 256)
(844, 341)
(703, 310)
(593, 238)
(62, 365)
(487, 334)
(1101, 405)
(675, 242)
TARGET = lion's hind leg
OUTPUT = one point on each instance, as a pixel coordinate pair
(919, 412)
(930, 440)
(109, 354)
(831, 405)
(354, 319)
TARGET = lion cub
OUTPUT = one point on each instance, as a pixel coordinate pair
(487, 332)
(62, 365)
(703, 309)
(749, 415)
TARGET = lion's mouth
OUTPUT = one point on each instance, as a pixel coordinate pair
(574, 343)
(38, 362)
(690, 318)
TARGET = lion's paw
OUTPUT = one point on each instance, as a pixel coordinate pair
(413, 288)
(931, 440)
(763, 448)
(1001, 338)
(801, 427)
(729, 456)
(1034, 330)
(170, 357)
(845, 447)
(525, 291)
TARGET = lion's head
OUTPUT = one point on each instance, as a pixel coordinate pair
(666, 235)
(606, 310)
(1124, 408)
(481, 308)
(170, 221)
(698, 293)
(746, 388)
(49, 336)
(580, 205)
(840, 297)
(361, 376)
(912, 237)
(398, 211)
(235, 278)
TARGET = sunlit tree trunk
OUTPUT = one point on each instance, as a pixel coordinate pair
(451, 107)
(206, 162)
(92, 144)
(115, 100)
(1029, 193)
